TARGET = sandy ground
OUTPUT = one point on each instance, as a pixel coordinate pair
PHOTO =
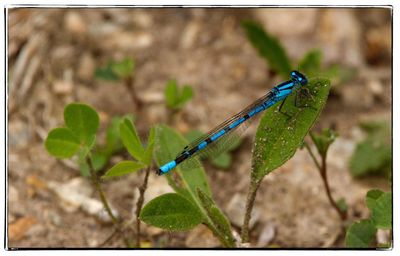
(53, 53)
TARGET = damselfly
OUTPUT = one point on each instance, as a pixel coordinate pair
(277, 94)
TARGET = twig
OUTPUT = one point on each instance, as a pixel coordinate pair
(139, 204)
(323, 172)
(251, 196)
(108, 239)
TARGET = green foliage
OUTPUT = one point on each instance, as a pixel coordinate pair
(79, 135)
(323, 141)
(124, 167)
(175, 98)
(83, 121)
(341, 203)
(360, 234)
(278, 136)
(188, 178)
(373, 155)
(131, 140)
(223, 227)
(311, 63)
(268, 47)
(171, 212)
(115, 70)
(62, 143)
(224, 159)
(380, 205)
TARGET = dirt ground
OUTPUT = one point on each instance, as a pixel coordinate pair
(52, 54)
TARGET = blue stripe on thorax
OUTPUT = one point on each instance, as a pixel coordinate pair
(285, 85)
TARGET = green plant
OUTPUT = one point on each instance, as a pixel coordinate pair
(276, 57)
(322, 142)
(222, 160)
(373, 155)
(361, 234)
(192, 201)
(79, 138)
(176, 98)
(121, 70)
(278, 138)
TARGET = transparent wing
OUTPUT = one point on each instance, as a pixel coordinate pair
(229, 121)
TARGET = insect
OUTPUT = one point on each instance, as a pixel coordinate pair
(277, 94)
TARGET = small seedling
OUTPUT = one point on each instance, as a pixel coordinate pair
(361, 234)
(176, 98)
(121, 71)
(373, 155)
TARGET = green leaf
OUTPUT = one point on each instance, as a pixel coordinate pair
(124, 68)
(106, 73)
(62, 143)
(323, 141)
(171, 212)
(99, 160)
(168, 144)
(341, 203)
(185, 96)
(219, 220)
(131, 140)
(83, 121)
(192, 135)
(150, 146)
(372, 196)
(222, 161)
(171, 93)
(360, 234)
(381, 209)
(311, 63)
(278, 136)
(268, 47)
(373, 155)
(123, 168)
(113, 141)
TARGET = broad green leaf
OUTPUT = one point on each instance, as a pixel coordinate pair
(150, 146)
(168, 145)
(311, 62)
(279, 136)
(171, 212)
(268, 47)
(131, 140)
(124, 68)
(324, 140)
(83, 122)
(360, 234)
(123, 168)
(62, 143)
(171, 93)
(218, 218)
(381, 211)
(223, 160)
(372, 196)
(192, 135)
(106, 73)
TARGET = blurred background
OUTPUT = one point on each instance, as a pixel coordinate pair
(58, 56)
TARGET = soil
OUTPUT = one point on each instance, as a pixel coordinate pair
(52, 55)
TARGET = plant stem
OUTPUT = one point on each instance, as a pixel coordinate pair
(323, 172)
(251, 196)
(129, 85)
(139, 204)
(97, 185)
(103, 199)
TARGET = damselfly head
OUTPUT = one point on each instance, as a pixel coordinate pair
(299, 77)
